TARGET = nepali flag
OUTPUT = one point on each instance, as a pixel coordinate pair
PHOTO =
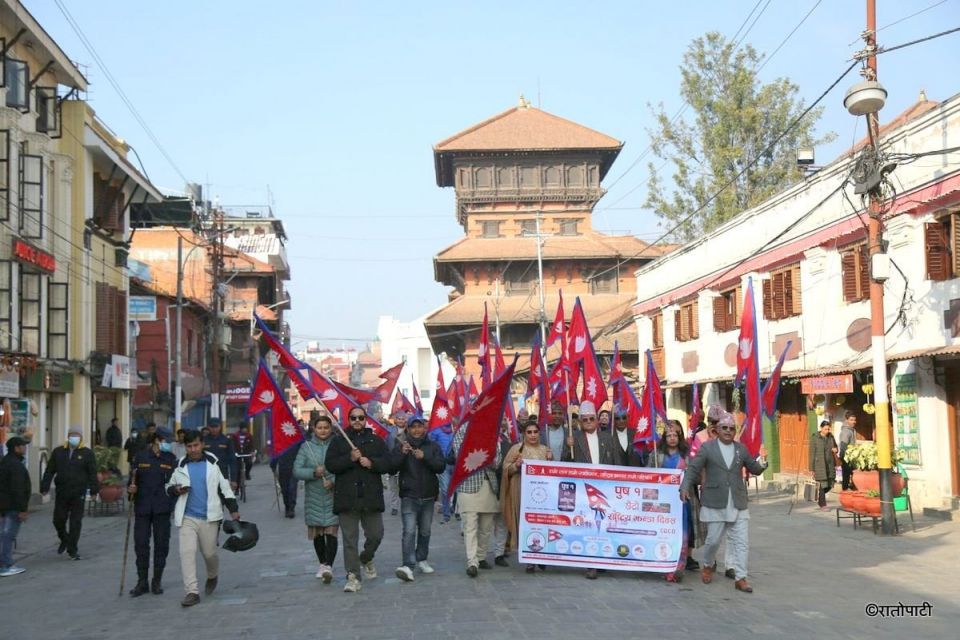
(263, 393)
(285, 432)
(537, 383)
(481, 426)
(553, 535)
(500, 364)
(360, 396)
(440, 413)
(598, 503)
(771, 390)
(453, 399)
(483, 351)
(580, 347)
(748, 369)
(653, 406)
(624, 399)
(558, 330)
(338, 404)
(401, 403)
(416, 397)
(287, 360)
(390, 377)
(472, 393)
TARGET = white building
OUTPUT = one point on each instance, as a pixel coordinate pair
(407, 342)
(805, 252)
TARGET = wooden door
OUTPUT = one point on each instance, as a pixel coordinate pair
(794, 443)
(953, 427)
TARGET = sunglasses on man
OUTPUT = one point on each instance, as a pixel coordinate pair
(357, 418)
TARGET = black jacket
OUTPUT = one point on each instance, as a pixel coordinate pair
(418, 478)
(14, 484)
(114, 437)
(75, 474)
(152, 472)
(222, 447)
(356, 488)
(629, 457)
(284, 464)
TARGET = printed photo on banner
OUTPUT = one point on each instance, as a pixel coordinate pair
(600, 516)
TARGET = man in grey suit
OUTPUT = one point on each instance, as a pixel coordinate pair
(723, 498)
(589, 446)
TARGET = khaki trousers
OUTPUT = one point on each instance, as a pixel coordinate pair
(196, 533)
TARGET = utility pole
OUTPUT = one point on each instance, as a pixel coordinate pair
(178, 383)
(496, 307)
(875, 248)
(543, 314)
(216, 374)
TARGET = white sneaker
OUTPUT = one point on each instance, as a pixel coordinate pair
(425, 567)
(405, 574)
(327, 575)
(369, 571)
(13, 570)
(353, 585)
(320, 571)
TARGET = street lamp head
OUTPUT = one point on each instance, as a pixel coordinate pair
(865, 98)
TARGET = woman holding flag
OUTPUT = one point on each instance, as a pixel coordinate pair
(529, 448)
(322, 523)
(671, 453)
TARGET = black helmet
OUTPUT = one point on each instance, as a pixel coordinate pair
(244, 535)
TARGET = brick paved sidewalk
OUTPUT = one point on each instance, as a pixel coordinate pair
(812, 580)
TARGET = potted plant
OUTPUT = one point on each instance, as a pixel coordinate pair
(111, 482)
(871, 502)
(862, 456)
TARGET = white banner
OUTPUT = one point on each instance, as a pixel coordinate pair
(600, 516)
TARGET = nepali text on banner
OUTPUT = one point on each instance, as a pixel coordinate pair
(600, 516)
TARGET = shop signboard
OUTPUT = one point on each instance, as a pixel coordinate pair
(9, 383)
(827, 384)
(906, 435)
(142, 308)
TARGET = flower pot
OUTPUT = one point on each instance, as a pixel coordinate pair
(867, 480)
(858, 501)
(847, 498)
(111, 492)
(871, 506)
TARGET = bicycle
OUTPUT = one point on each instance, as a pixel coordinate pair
(242, 476)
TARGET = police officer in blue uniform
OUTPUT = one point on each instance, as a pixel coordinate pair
(221, 446)
(152, 468)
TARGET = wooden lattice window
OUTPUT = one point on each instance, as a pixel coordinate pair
(111, 332)
(726, 310)
(781, 294)
(941, 244)
(686, 322)
(855, 272)
(656, 325)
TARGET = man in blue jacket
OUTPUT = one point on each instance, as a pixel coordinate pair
(418, 460)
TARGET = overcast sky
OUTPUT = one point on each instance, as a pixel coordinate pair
(334, 107)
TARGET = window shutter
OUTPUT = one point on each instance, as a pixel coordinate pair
(864, 273)
(955, 233)
(720, 314)
(658, 330)
(677, 325)
(935, 244)
(694, 320)
(103, 324)
(796, 307)
(120, 317)
(849, 273)
(768, 299)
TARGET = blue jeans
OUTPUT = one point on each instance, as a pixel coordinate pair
(417, 516)
(444, 479)
(9, 527)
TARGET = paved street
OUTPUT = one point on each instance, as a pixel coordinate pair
(811, 579)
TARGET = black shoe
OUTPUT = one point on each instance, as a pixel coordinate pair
(485, 565)
(291, 513)
(591, 574)
(730, 573)
(692, 565)
(393, 512)
(74, 555)
(501, 561)
(61, 548)
(472, 571)
(190, 599)
(140, 589)
(210, 586)
(156, 585)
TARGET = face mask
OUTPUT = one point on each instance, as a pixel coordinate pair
(73, 440)
(166, 447)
